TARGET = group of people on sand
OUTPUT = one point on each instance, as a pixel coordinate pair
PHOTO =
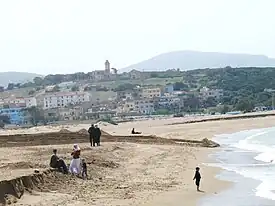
(77, 166)
(95, 134)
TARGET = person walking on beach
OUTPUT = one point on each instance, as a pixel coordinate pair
(91, 132)
(97, 135)
(197, 178)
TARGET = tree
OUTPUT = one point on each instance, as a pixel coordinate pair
(75, 88)
(153, 75)
(10, 86)
(192, 103)
(35, 114)
(5, 119)
(244, 105)
(162, 112)
(38, 81)
(56, 89)
(126, 86)
(210, 102)
(180, 86)
(31, 92)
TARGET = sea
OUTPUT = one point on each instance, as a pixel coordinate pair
(248, 161)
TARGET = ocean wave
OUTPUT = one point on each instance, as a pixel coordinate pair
(260, 142)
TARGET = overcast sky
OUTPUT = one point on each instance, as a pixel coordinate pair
(65, 36)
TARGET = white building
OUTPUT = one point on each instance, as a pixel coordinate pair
(150, 93)
(127, 107)
(215, 93)
(13, 101)
(144, 106)
(169, 100)
(31, 102)
(63, 99)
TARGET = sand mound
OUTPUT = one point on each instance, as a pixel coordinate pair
(104, 163)
(105, 133)
(82, 131)
(209, 143)
(64, 131)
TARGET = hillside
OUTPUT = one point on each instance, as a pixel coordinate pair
(188, 60)
(16, 77)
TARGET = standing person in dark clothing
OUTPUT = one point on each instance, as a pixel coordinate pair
(197, 178)
(58, 163)
(91, 132)
(97, 135)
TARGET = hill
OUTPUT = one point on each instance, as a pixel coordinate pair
(16, 77)
(188, 60)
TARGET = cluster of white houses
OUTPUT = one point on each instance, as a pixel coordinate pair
(140, 100)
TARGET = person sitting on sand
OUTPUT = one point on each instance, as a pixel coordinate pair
(58, 163)
(75, 166)
(134, 132)
(197, 178)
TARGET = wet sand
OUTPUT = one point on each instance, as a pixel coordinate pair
(128, 173)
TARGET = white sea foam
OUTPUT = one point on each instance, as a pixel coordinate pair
(262, 142)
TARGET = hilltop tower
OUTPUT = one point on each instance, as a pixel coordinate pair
(107, 67)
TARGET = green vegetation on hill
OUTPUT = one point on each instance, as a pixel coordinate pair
(243, 88)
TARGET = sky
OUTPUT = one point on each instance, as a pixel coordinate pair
(66, 36)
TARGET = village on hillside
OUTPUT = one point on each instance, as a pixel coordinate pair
(103, 94)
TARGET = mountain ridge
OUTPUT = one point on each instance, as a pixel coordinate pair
(189, 60)
(16, 77)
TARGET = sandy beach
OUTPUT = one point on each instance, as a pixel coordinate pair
(123, 173)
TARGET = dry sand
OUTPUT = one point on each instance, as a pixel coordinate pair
(128, 173)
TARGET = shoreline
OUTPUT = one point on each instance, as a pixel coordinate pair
(150, 174)
(240, 185)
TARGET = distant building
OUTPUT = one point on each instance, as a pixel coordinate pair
(107, 67)
(150, 92)
(135, 74)
(215, 93)
(100, 113)
(63, 99)
(49, 88)
(127, 107)
(169, 88)
(144, 106)
(101, 75)
(17, 102)
(74, 113)
(15, 115)
(123, 95)
(2, 89)
(168, 101)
